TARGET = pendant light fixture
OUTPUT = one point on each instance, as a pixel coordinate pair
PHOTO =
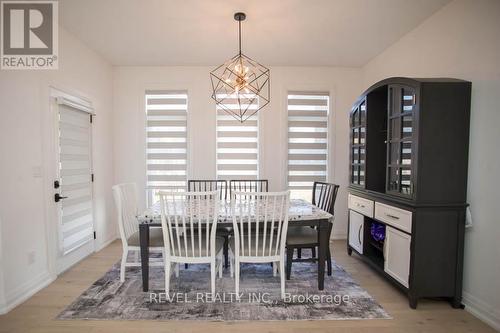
(240, 86)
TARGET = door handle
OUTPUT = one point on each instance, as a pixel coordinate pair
(58, 197)
(359, 234)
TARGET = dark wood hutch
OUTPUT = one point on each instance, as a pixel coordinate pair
(409, 145)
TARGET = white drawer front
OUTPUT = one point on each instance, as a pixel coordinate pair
(361, 205)
(396, 217)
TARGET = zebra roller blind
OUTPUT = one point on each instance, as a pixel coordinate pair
(237, 145)
(75, 169)
(166, 114)
(307, 141)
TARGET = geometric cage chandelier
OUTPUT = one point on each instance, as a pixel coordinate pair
(240, 86)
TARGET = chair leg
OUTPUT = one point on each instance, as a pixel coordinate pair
(313, 249)
(122, 266)
(329, 262)
(226, 252)
(221, 263)
(186, 266)
(289, 258)
(177, 270)
(167, 277)
(212, 276)
(299, 253)
(282, 277)
(275, 268)
(237, 277)
(231, 265)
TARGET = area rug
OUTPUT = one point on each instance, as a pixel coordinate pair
(259, 298)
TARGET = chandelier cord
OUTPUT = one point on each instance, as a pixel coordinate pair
(239, 34)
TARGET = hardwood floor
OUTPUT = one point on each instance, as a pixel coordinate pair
(38, 313)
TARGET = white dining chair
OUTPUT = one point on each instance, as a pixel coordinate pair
(126, 203)
(260, 223)
(189, 224)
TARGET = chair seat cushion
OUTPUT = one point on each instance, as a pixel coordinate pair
(155, 238)
(174, 251)
(251, 249)
(301, 235)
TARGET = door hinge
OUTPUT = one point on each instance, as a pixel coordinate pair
(92, 177)
(95, 235)
(91, 119)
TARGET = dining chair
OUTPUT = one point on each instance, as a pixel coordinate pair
(245, 185)
(126, 203)
(203, 185)
(197, 185)
(189, 224)
(303, 237)
(260, 222)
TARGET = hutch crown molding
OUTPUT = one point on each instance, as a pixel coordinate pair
(408, 181)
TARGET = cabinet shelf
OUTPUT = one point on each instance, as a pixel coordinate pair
(376, 245)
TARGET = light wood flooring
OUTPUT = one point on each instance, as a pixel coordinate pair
(38, 313)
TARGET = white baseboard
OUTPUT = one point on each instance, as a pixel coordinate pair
(21, 293)
(106, 243)
(481, 310)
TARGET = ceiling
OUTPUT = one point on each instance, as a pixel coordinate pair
(275, 33)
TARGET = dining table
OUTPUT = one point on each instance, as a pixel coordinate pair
(301, 213)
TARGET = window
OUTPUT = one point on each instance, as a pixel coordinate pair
(237, 146)
(166, 132)
(307, 141)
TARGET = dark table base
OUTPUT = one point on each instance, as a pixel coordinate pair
(324, 242)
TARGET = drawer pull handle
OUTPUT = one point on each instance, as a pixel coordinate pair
(360, 205)
(392, 216)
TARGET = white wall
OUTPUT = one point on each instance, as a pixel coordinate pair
(129, 127)
(24, 110)
(462, 41)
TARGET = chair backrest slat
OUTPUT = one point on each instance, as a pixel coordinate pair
(245, 185)
(260, 222)
(187, 219)
(126, 203)
(324, 196)
(208, 185)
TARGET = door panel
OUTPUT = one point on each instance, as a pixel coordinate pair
(397, 255)
(402, 102)
(356, 224)
(74, 173)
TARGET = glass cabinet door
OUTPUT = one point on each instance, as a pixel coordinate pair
(400, 140)
(358, 144)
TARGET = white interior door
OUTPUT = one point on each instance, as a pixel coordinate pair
(73, 186)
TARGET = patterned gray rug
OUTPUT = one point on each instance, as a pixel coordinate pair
(189, 298)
